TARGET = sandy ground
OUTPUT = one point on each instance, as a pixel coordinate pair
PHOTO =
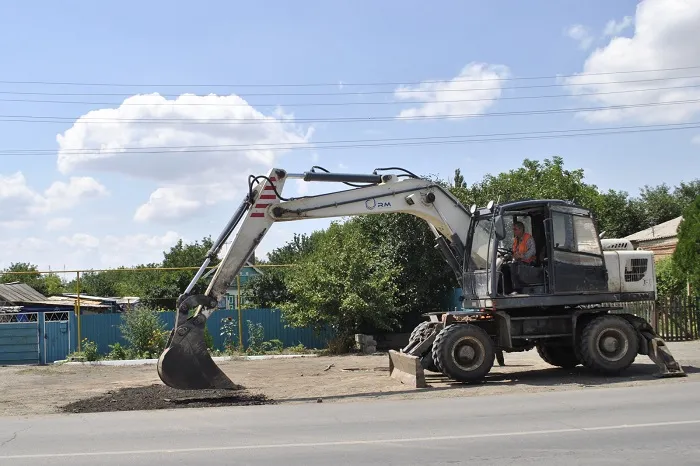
(44, 389)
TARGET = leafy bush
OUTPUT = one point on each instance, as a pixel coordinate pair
(144, 331)
(90, 350)
(117, 352)
(256, 337)
(229, 331)
(273, 346)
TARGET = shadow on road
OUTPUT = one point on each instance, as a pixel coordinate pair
(557, 376)
(579, 376)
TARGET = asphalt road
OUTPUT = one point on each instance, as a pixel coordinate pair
(610, 426)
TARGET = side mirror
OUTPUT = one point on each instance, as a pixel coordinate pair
(499, 227)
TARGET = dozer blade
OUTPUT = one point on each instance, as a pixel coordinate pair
(662, 357)
(407, 369)
(186, 363)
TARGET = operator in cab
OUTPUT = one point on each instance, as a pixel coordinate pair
(523, 244)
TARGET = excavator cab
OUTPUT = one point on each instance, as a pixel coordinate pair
(568, 255)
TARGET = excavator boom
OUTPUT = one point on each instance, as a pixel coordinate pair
(186, 363)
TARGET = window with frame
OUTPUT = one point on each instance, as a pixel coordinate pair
(575, 239)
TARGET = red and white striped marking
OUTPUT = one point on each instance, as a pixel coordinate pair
(268, 194)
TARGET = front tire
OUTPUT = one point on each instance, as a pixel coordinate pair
(464, 352)
(420, 333)
(609, 344)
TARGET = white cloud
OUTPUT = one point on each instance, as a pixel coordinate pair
(614, 28)
(82, 241)
(16, 224)
(58, 223)
(580, 34)
(176, 202)
(17, 200)
(665, 36)
(61, 196)
(478, 86)
(142, 122)
(87, 251)
(20, 203)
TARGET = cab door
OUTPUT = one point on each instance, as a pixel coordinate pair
(577, 263)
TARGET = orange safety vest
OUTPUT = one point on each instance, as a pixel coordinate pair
(522, 247)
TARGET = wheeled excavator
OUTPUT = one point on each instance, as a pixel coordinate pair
(567, 303)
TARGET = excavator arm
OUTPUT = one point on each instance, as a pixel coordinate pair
(186, 363)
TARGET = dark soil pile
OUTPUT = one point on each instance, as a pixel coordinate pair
(163, 397)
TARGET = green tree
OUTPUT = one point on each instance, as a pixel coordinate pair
(670, 281)
(687, 253)
(343, 283)
(548, 180)
(164, 286)
(659, 204)
(618, 214)
(687, 192)
(458, 180)
(423, 276)
(28, 274)
(269, 290)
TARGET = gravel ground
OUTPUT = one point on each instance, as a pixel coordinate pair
(80, 388)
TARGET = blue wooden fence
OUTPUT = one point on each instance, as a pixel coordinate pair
(104, 329)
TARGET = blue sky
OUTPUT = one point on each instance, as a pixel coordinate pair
(109, 213)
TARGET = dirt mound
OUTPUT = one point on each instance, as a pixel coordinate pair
(158, 396)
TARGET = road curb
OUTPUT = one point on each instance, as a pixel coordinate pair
(145, 362)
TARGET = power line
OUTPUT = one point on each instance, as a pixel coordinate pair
(212, 121)
(382, 142)
(380, 83)
(332, 104)
(407, 91)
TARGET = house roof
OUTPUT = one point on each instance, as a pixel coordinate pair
(663, 230)
(17, 292)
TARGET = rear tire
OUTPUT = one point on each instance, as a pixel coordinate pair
(558, 355)
(464, 352)
(609, 344)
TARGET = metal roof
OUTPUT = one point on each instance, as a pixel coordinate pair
(16, 292)
(537, 202)
(663, 230)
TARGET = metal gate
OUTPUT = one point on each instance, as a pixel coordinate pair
(36, 337)
(19, 338)
(56, 329)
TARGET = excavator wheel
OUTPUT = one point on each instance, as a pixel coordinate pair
(422, 332)
(464, 352)
(562, 356)
(608, 344)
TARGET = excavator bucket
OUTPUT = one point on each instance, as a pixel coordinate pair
(186, 363)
